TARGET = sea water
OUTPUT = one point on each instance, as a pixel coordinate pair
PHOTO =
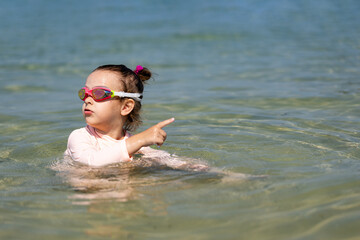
(257, 87)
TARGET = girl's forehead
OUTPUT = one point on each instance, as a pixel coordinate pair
(105, 79)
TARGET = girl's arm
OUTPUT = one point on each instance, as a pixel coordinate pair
(170, 160)
(154, 135)
(161, 157)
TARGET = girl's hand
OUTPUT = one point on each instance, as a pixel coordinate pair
(154, 135)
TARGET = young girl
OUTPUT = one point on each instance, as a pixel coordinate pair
(112, 101)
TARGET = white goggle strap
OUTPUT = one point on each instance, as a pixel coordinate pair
(136, 96)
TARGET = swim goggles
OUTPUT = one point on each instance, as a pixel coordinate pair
(100, 94)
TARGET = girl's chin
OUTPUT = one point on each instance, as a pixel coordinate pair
(92, 124)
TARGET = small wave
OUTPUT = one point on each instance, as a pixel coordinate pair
(24, 88)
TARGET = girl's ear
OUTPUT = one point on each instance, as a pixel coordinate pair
(127, 106)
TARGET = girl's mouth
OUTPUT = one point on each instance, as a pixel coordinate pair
(87, 112)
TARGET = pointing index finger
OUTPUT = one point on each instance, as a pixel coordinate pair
(165, 123)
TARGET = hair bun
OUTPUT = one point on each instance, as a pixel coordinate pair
(144, 73)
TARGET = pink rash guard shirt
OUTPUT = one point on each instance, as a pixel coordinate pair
(87, 146)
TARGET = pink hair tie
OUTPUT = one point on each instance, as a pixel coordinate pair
(138, 69)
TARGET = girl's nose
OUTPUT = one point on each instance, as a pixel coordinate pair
(89, 100)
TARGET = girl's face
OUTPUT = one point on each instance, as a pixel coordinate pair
(105, 115)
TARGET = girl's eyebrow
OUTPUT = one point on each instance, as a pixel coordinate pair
(97, 86)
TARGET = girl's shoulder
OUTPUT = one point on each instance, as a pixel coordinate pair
(89, 132)
(84, 131)
(85, 135)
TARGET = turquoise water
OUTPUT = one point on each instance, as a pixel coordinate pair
(256, 87)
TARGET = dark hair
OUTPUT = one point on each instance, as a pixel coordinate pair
(131, 83)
